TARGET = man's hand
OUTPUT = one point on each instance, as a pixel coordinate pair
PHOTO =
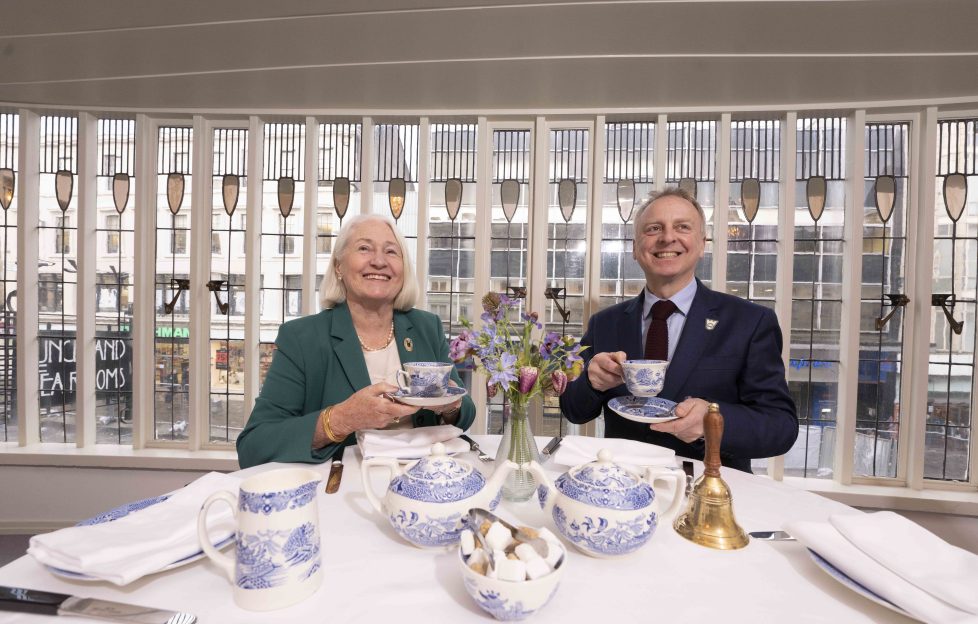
(689, 426)
(604, 371)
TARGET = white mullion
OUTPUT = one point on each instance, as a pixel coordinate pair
(784, 284)
(28, 215)
(661, 155)
(85, 397)
(721, 207)
(144, 288)
(920, 284)
(253, 204)
(366, 165)
(310, 205)
(539, 224)
(482, 256)
(200, 270)
(424, 175)
(852, 266)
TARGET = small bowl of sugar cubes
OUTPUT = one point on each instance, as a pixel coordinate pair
(511, 572)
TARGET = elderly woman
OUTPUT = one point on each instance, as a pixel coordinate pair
(331, 372)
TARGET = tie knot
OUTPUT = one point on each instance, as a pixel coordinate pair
(661, 310)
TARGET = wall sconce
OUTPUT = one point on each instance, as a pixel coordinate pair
(897, 301)
(509, 197)
(174, 191)
(688, 185)
(815, 192)
(955, 195)
(64, 183)
(341, 196)
(120, 191)
(750, 198)
(230, 190)
(453, 197)
(885, 196)
(215, 286)
(943, 301)
(626, 199)
(7, 180)
(396, 191)
(181, 285)
(552, 294)
(286, 195)
(567, 197)
(517, 292)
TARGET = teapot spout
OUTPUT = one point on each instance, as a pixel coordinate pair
(547, 497)
(495, 483)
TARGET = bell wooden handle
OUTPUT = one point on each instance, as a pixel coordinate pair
(713, 431)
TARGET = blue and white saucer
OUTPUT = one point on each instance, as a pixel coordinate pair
(648, 410)
(451, 395)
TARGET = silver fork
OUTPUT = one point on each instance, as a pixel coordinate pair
(474, 446)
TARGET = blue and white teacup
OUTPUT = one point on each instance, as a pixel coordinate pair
(276, 560)
(425, 379)
(644, 378)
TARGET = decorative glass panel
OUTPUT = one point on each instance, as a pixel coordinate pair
(9, 127)
(229, 208)
(692, 156)
(816, 316)
(628, 179)
(281, 236)
(114, 270)
(58, 278)
(173, 235)
(947, 454)
(396, 154)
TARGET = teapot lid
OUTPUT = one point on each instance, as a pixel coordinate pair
(605, 484)
(438, 478)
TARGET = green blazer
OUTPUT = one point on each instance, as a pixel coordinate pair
(319, 362)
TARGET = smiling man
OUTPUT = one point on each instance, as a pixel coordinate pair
(721, 349)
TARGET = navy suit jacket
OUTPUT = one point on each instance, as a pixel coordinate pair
(736, 364)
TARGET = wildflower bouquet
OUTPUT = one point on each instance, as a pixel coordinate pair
(521, 366)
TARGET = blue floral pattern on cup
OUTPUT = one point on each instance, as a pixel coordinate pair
(264, 559)
(643, 409)
(270, 502)
(645, 377)
(425, 379)
(599, 535)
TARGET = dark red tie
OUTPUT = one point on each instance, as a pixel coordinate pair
(657, 341)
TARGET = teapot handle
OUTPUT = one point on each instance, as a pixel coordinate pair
(377, 462)
(678, 479)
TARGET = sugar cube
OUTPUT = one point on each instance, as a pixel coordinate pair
(537, 568)
(467, 542)
(511, 570)
(498, 537)
(526, 553)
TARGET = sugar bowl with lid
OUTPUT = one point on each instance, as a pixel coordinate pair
(426, 501)
(606, 509)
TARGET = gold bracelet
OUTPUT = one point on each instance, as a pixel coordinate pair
(324, 415)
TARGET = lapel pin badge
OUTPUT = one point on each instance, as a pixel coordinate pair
(711, 324)
(409, 344)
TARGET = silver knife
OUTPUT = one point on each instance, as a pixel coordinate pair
(772, 536)
(335, 472)
(552, 446)
(49, 603)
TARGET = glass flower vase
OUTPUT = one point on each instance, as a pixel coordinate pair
(518, 445)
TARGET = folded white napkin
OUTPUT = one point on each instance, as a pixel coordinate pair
(143, 541)
(910, 569)
(409, 443)
(576, 450)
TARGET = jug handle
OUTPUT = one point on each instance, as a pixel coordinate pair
(377, 462)
(225, 562)
(678, 479)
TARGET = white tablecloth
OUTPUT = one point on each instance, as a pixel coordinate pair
(371, 575)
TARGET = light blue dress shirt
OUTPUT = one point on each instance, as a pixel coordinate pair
(683, 300)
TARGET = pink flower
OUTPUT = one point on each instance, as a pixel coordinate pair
(558, 382)
(528, 377)
(492, 389)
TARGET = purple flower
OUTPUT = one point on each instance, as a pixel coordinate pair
(558, 382)
(550, 342)
(528, 377)
(503, 370)
(533, 318)
(460, 346)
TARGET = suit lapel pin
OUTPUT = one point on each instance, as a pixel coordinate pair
(711, 324)
(409, 344)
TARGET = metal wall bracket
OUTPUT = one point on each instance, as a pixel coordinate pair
(943, 301)
(215, 286)
(553, 294)
(181, 285)
(897, 301)
(518, 292)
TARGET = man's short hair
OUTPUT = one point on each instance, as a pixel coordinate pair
(670, 191)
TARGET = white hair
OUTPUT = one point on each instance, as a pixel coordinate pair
(332, 291)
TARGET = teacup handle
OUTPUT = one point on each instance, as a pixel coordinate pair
(678, 479)
(404, 380)
(377, 462)
(223, 561)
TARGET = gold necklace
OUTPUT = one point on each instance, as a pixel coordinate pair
(390, 336)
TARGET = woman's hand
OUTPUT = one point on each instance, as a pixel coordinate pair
(369, 408)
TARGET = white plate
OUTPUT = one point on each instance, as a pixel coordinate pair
(854, 585)
(647, 410)
(453, 394)
(75, 576)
